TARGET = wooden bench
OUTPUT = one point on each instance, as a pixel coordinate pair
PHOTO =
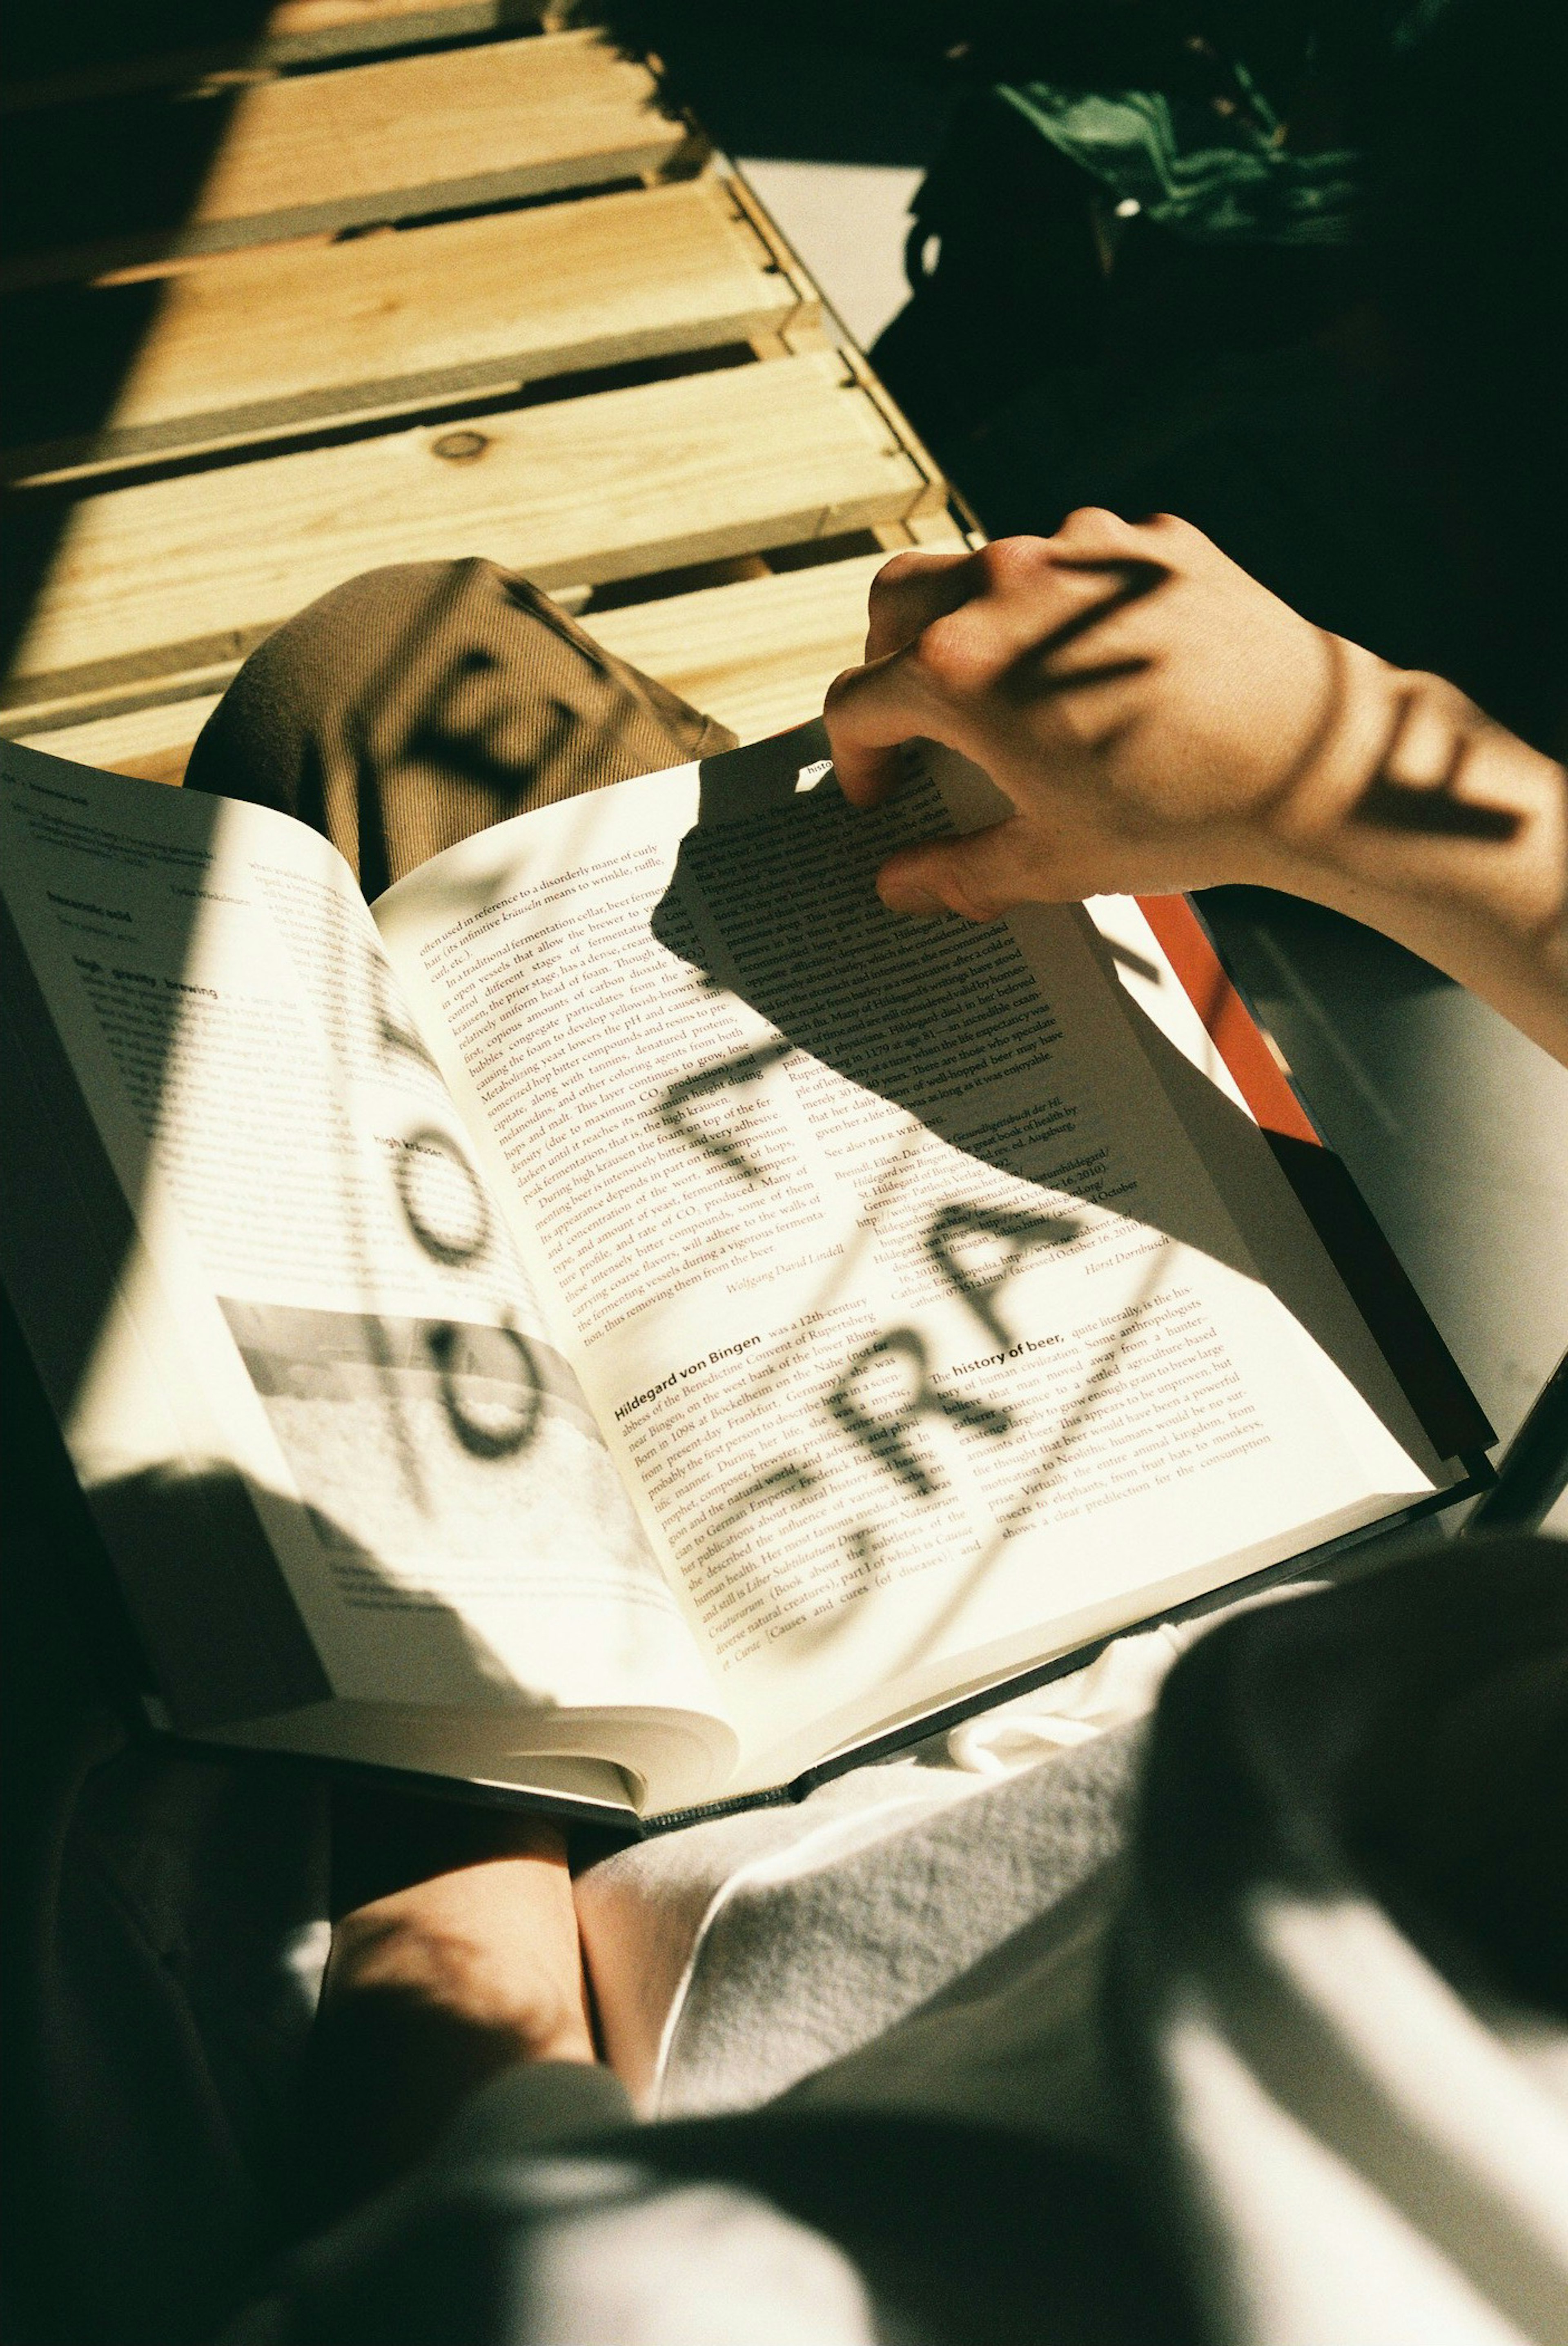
(758, 654)
(111, 57)
(254, 346)
(609, 371)
(297, 153)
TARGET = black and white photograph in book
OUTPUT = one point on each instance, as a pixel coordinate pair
(401, 1433)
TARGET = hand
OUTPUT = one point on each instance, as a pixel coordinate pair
(1161, 722)
(435, 1988)
(1147, 707)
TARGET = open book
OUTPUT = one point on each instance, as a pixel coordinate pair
(628, 1321)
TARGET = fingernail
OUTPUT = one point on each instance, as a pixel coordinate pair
(918, 903)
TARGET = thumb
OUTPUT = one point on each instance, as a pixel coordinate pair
(980, 876)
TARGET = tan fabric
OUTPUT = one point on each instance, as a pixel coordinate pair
(418, 704)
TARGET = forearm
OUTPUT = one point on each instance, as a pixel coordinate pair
(1159, 720)
(456, 1963)
(1425, 819)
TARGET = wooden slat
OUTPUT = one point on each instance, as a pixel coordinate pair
(73, 710)
(131, 55)
(412, 135)
(167, 574)
(248, 346)
(155, 743)
(758, 655)
(298, 32)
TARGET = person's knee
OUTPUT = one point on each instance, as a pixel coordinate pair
(413, 706)
(333, 668)
(355, 636)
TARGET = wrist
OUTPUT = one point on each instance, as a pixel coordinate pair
(1417, 814)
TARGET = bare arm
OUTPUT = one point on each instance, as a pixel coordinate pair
(1160, 721)
(458, 1959)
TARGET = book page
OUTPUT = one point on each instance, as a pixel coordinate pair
(325, 1284)
(898, 1283)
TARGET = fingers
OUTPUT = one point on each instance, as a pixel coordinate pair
(868, 713)
(865, 726)
(953, 638)
(980, 876)
(911, 591)
(1118, 681)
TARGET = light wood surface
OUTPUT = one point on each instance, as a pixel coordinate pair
(311, 28)
(72, 710)
(155, 743)
(758, 655)
(250, 345)
(392, 140)
(296, 32)
(167, 574)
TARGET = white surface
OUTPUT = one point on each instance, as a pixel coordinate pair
(1456, 1130)
(847, 222)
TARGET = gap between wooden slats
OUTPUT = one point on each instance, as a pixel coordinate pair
(758, 655)
(253, 345)
(409, 136)
(296, 33)
(170, 574)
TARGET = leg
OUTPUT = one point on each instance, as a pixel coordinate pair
(418, 704)
(162, 1904)
(161, 1910)
(1342, 1889)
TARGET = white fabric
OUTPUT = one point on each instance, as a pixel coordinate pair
(702, 2266)
(733, 1958)
(1367, 2160)
(1119, 1685)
